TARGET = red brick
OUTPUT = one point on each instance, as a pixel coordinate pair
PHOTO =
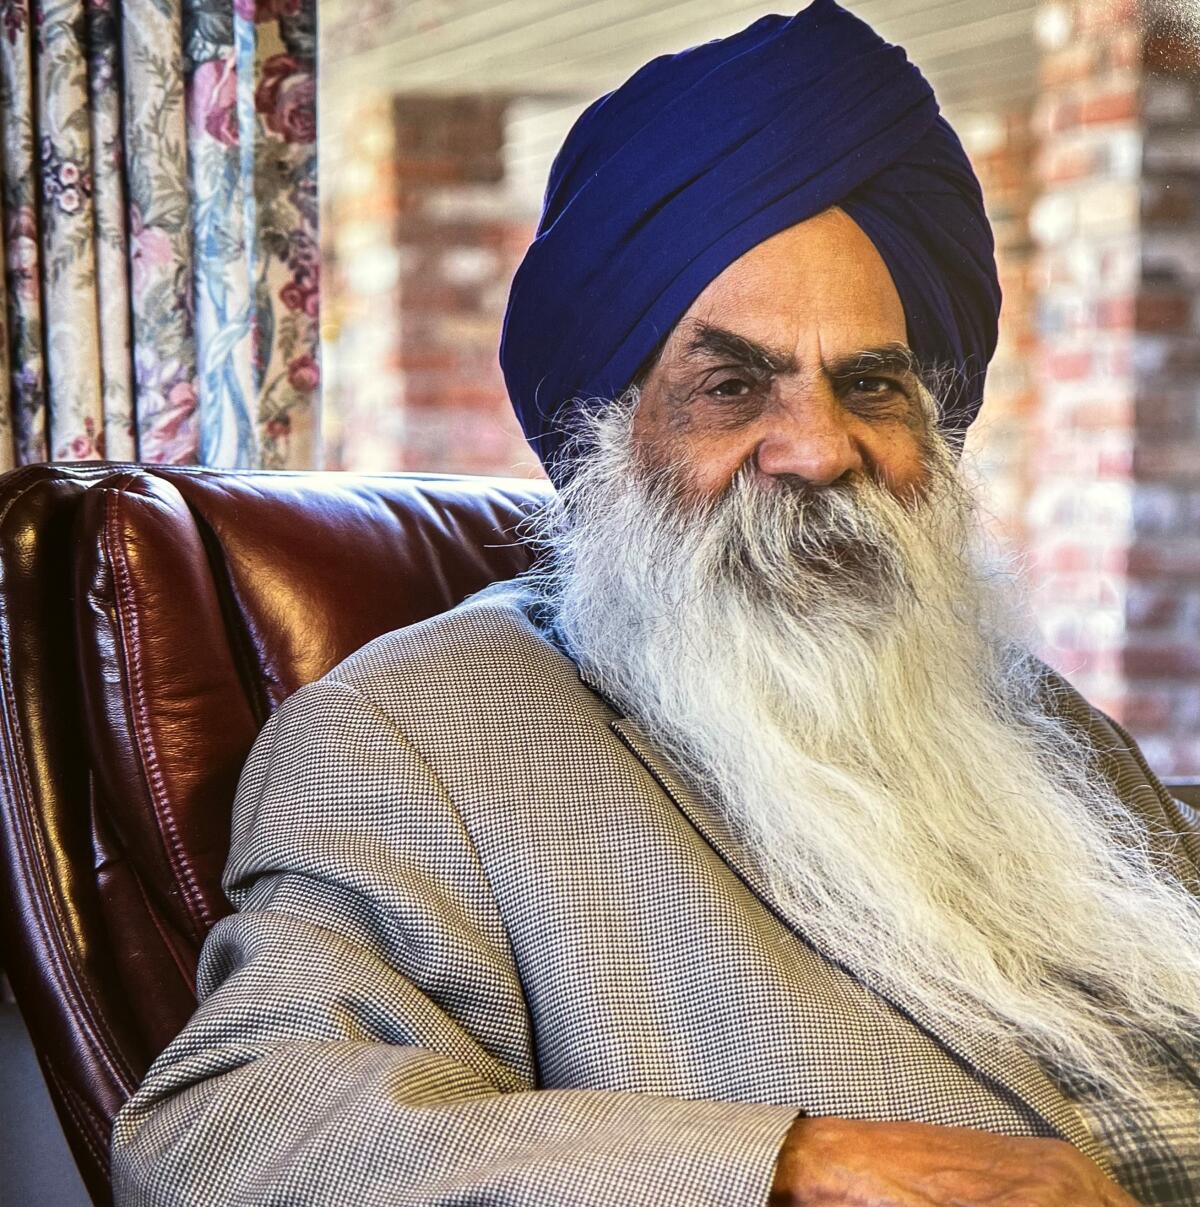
(440, 139)
(1183, 358)
(1163, 662)
(452, 393)
(1065, 113)
(1086, 662)
(1157, 510)
(1115, 313)
(1113, 706)
(1062, 457)
(1165, 560)
(1164, 312)
(1109, 107)
(1067, 558)
(1167, 463)
(1176, 206)
(428, 294)
(1069, 366)
(1166, 414)
(431, 169)
(1115, 463)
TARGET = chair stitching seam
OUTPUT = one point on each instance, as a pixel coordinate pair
(31, 841)
(187, 979)
(73, 1104)
(127, 624)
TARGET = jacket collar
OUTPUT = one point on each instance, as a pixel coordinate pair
(1004, 1064)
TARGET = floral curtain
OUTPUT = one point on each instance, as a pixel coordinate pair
(159, 224)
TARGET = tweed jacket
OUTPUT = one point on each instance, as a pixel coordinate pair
(491, 948)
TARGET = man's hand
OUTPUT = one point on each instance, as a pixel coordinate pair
(842, 1162)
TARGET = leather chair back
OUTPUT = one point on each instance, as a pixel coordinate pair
(151, 619)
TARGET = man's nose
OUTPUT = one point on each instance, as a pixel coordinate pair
(810, 438)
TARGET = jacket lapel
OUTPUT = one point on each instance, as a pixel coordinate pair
(1005, 1065)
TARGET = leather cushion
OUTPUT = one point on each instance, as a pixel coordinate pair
(206, 599)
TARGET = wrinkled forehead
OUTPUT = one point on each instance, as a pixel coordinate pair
(803, 299)
(818, 285)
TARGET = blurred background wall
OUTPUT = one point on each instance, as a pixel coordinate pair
(439, 119)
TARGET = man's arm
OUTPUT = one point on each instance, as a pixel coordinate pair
(362, 1035)
(847, 1162)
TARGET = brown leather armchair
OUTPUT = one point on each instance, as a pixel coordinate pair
(150, 621)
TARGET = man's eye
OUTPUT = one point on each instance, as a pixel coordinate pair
(731, 387)
(874, 387)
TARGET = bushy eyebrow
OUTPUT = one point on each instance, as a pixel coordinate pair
(708, 340)
(894, 358)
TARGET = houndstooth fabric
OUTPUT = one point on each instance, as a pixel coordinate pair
(490, 950)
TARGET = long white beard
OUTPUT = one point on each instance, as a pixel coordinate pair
(840, 672)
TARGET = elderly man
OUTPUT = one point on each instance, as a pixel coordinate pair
(741, 852)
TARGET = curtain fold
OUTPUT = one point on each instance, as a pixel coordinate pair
(161, 287)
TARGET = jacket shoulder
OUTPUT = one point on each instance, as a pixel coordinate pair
(493, 638)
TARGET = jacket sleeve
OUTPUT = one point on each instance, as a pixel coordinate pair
(362, 1037)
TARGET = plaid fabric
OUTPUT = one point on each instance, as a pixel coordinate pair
(489, 949)
(1155, 1152)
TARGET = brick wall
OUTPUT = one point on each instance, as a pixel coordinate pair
(999, 443)
(360, 315)
(423, 234)
(1113, 513)
(1086, 225)
(461, 236)
(1161, 658)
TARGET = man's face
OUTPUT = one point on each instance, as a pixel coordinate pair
(794, 363)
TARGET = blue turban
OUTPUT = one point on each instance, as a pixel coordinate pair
(699, 156)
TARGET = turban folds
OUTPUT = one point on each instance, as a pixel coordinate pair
(698, 157)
